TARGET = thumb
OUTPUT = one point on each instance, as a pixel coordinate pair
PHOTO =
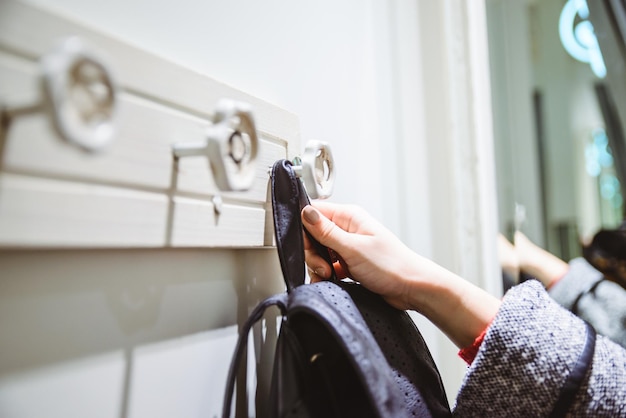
(323, 229)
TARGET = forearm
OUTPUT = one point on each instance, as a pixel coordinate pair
(548, 271)
(460, 309)
(539, 263)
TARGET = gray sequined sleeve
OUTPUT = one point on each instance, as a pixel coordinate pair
(527, 354)
(600, 302)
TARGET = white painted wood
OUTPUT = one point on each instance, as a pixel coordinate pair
(481, 133)
(124, 332)
(41, 212)
(133, 192)
(196, 224)
(94, 383)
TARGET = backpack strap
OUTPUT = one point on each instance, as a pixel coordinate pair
(288, 200)
(279, 300)
(577, 375)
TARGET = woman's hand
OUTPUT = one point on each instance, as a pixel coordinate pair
(369, 253)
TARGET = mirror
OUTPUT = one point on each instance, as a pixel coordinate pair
(558, 130)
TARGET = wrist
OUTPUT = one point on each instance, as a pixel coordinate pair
(430, 287)
(549, 271)
(457, 307)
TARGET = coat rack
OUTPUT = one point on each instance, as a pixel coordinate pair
(100, 95)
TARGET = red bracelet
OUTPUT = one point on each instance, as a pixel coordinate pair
(469, 353)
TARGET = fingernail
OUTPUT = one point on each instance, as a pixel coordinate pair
(319, 272)
(311, 215)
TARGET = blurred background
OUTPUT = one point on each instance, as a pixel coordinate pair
(556, 105)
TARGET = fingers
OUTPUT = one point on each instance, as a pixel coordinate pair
(338, 214)
(317, 265)
(340, 273)
(318, 268)
(328, 234)
(349, 218)
(324, 230)
(315, 277)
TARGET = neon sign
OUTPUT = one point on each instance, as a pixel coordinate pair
(579, 39)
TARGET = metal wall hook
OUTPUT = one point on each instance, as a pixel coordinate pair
(231, 146)
(316, 168)
(79, 91)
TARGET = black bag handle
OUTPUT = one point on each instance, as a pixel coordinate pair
(577, 375)
(279, 300)
(288, 199)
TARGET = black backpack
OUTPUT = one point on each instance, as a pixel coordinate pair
(342, 350)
